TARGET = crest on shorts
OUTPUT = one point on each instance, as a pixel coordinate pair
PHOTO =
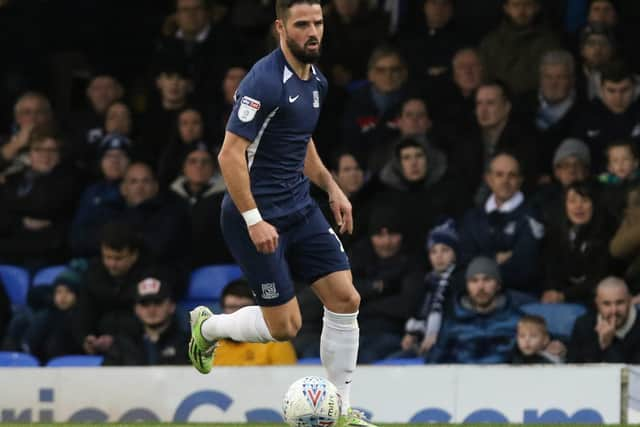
(269, 290)
(248, 109)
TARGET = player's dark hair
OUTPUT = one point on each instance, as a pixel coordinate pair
(238, 288)
(120, 236)
(283, 6)
(623, 143)
(616, 72)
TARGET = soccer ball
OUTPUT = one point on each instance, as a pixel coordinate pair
(312, 402)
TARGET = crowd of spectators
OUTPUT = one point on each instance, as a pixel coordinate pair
(489, 149)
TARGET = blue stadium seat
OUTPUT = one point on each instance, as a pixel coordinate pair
(309, 361)
(208, 282)
(47, 275)
(559, 317)
(16, 283)
(401, 361)
(82, 360)
(11, 358)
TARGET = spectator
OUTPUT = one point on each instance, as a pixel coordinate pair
(482, 325)
(236, 295)
(610, 334)
(513, 51)
(414, 122)
(505, 228)
(625, 244)
(495, 129)
(622, 174)
(532, 342)
(575, 250)
(114, 156)
(50, 334)
(371, 111)
(440, 285)
(429, 50)
(350, 176)
(201, 186)
(32, 112)
(571, 163)
(203, 46)
(597, 50)
(190, 133)
(455, 100)
(389, 283)
(223, 105)
(161, 218)
(105, 306)
(35, 207)
(414, 181)
(554, 106)
(157, 340)
(348, 40)
(614, 117)
(87, 126)
(174, 87)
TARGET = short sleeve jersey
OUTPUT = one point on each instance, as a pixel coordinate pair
(277, 112)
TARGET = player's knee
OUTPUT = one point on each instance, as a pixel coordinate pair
(345, 303)
(353, 302)
(286, 330)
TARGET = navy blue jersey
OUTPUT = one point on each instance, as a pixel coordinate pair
(277, 112)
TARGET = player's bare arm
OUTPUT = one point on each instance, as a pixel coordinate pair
(233, 165)
(320, 176)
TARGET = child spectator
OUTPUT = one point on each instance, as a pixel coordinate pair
(532, 342)
(50, 334)
(622, 173)
(622, 163)
(422, 329)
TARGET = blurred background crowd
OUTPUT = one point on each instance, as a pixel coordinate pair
(489, 149)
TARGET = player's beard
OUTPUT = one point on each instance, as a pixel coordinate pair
(301, 54)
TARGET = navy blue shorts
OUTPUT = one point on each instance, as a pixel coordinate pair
(308, 249)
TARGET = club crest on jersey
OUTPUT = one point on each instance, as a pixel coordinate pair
(269, 290)
(316, 99)
(248, 109)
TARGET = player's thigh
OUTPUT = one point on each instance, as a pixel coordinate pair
(268, 274)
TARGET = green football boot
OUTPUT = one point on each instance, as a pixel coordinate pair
(354, 418)
(201, 350)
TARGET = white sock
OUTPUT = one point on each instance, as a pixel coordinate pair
(339, 350)
(245, 325)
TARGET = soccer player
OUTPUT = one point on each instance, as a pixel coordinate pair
(273, 228)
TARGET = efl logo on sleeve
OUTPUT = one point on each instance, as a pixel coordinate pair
(248, 109)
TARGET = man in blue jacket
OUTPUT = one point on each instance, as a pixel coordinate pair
(482, 326)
